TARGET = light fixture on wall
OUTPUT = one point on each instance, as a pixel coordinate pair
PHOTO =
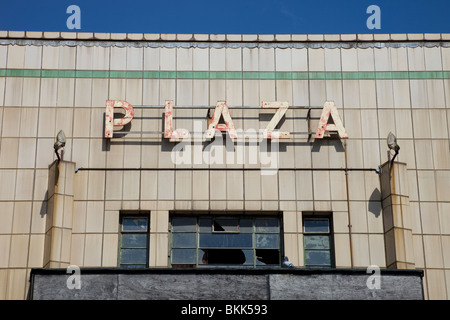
(393, 145)
(59, 143)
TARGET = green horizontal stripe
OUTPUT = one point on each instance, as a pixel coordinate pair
(66, 73)
(240, 75)
(300, 75)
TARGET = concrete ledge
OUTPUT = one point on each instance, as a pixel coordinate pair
(224, 37)
(225, 284)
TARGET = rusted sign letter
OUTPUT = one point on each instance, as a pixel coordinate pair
(110, 122)
(282, 107)
(176, 135)
(329, 108)
(221, 110)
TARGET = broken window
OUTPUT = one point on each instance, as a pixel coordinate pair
(225, 241)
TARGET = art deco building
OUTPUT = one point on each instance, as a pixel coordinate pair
(209, 158)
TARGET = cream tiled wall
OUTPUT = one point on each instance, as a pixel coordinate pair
(414, 105)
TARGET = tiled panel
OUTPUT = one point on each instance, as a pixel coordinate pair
(36, 251)
(9, 153)
(442, 184)
(134, 60)
(96, 185)
(376, 247)
(287, 189)
(133, 92)
(351, 94)
(427, 186)
(3, 56)
(83, 91)
(316, 59)
(317, 92)
(131, 185)
(94, 216)
(66, 92)
(334, 92)
(433, 251)
(24, 185)
(429, 218)
(166, 186)
(93, 250)
(183, 185)
(438, 124)
(399, 59)
(109, 250)
(13, 91)
(16, 284)
(16, 57)
(421, 123)
(423, 153)
(402, 98)
(77, 249)
(151, 58)
(441, 154)
(19, 250)
(360, 250)
(269, 187)
(348, 58)
(435, 285)
(419, 96)
(118, 60)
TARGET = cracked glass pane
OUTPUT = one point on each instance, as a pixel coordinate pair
(317, 242)
(267, 241)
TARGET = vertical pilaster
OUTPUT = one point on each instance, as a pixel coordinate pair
(396, 216)
(58, 230)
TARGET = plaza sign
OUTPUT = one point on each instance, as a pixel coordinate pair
(324, 128)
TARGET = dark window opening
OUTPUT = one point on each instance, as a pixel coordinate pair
(223, 256)
(210, 241)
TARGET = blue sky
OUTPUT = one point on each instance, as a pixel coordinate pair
(228, 17)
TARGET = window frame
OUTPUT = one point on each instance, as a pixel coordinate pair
(202, 228)
(131, 215)
(330, 234)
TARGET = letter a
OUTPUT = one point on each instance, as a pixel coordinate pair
(74, 21)
(74, 281)
(329, 108)
(374, 21)
(221, 110)
(374, 281)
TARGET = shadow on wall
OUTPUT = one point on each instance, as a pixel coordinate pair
(375, 203)
(43, 210)
(331, 141)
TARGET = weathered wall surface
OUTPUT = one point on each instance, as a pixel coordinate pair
(222, 285)
(379, 83)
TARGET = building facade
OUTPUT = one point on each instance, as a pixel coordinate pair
(217, 151)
